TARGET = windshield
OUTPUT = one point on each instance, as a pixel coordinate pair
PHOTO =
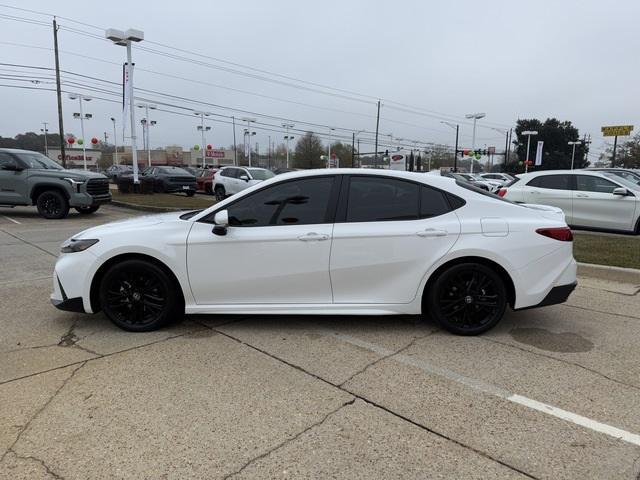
(627, 181)
(173, 171)
(37, 160)
(259, 174)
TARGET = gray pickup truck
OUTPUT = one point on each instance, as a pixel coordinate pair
(30, 178)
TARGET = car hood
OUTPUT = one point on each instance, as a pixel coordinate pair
(65, 173)
(131, 224)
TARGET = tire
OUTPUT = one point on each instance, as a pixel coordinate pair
(190, 193)
(467, 299)
(52, 204)
(220, 193)
(208, 190)
(139, 296)
(87, 210)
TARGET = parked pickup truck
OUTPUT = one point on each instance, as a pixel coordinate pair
(30, 178)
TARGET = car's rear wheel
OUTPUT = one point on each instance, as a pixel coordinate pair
(220, 193)
(52, 204)
(467, 299)
(138, 296)
(87, 210)
(190, 193)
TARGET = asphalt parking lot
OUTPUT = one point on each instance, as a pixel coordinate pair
(550, 393)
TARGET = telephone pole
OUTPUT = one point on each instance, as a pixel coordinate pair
(375, 154)
(59, 94)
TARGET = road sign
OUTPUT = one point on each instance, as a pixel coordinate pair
(491, 150)
(617, 130)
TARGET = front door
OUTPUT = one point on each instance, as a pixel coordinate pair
(13, 185)
(276, 249)
(594, 204)
(391, 233)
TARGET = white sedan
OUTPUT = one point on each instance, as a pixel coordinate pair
(319, 242)
(596, 200)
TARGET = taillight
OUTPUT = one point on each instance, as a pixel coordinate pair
(563, 234)
(502, 192)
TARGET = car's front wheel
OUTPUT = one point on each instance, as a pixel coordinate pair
(138, 296)
(52, 204)
(190, 193)
(208, 190)
(88, 210)
(220, 193)
(467, 299)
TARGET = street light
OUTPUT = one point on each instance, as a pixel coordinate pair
(45, 131)
(247, 143)
(456, 127)
(249, 121)
(145, 128)
(528, 133)
(82, 117)
(124, 39)
(475, 117)
(202, 129)
(573, 150)
(115, 141)
(288, 137)
(331, 130)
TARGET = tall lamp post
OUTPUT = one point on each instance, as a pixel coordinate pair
(475, 117)
(202, 129)
(45, 131)
(247, 142)
(573, 150)
(249, 121)
(82, 116)
(288, 137)
(146, 125)
(115, 142)
(125, 39)
(528, 133)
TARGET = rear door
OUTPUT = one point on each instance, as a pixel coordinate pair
(388, 233)
(13, 185)
(594, 204)
(552, 189)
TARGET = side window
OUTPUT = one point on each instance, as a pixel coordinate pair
(373, 199)
(300, 202)
(241, 172)
(432, 203)
(6, 159)
(587, 183)
(553, 182)
(227, 172)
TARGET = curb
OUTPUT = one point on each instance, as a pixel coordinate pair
(144, 208)
(605, 272)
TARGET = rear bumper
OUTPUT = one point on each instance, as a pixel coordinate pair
(556, 295)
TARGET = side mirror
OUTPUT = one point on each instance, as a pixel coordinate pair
(221, 220)
(620, 191)
(12, 167)
(244, 177)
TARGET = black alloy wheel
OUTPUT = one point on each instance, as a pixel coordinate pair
(138, 296)
(190, 193)
(208, 190)
(220, 193)
(52, 204)
(468, 299)
(87, 210)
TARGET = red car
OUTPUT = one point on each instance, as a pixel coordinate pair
(204, 180)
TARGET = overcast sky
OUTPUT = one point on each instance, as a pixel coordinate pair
(574, 60)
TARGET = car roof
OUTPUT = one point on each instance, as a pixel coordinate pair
(17, 150)
(595, 173)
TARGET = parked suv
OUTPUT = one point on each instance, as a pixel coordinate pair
(230, 180)
(30, 178)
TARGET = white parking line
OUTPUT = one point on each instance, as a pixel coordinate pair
(494, 390)
(11, 220)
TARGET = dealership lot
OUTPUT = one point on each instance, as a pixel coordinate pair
(549, 393)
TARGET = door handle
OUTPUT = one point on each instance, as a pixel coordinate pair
(581, 195)
(432, 232)
(313, 237)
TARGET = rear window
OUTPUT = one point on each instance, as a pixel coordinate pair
(473, 188)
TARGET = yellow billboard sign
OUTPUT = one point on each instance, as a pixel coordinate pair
(617, 130)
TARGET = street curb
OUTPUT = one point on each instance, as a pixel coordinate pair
(605, 272)
(145, 208)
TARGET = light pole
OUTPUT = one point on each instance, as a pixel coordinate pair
(528, 133)
(249, 120)
(46, 147)
(329, 149)
(202, 130)
(124, 39)
(288, 137)
(475, 117)
(145, 127)
(573, 150)
(247, 143)
(506, 145)
(82, 117)
(455, 151)
(115, 142)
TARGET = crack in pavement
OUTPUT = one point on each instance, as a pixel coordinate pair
(40, 410)
(613, 314)
(289, 440)
(562, 360)
(28, 243)
(377, 405)
(48, 469)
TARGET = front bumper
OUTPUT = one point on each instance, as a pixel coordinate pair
(86, 200)
(180, 187)
(60, 300)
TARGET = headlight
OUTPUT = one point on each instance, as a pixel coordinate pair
(74, 181)
(79, 245)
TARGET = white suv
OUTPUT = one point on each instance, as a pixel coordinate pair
(230, 180)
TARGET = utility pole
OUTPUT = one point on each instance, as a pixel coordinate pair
(587, 143)
(615, 146)
(359, 159)
(115, 142)
(375, 155)
(353, 144)
(105, 137)
(59, 94)
(455, 153)
(235, 149)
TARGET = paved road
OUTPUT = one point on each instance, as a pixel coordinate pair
(550, 393)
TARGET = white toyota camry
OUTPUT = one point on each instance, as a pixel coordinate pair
(339, 241)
